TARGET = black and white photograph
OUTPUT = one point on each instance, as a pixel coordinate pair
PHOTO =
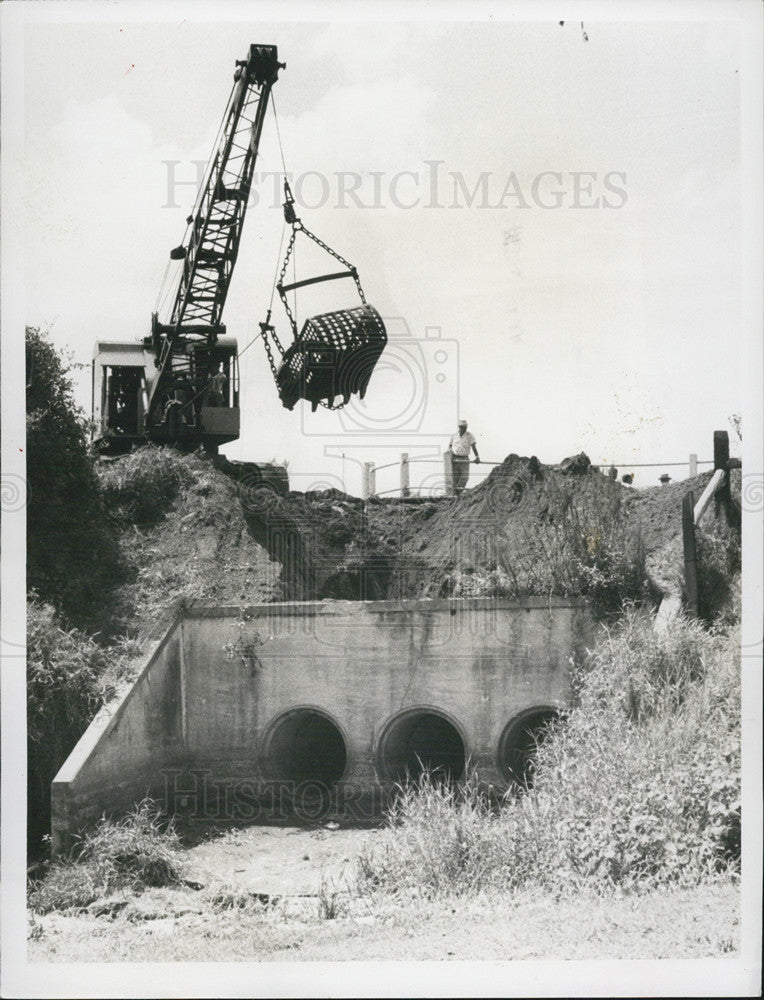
(381, 499)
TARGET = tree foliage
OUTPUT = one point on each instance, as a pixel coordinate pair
(72, 557)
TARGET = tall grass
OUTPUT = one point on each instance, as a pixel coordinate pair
(639, 788)
(584, 543)
(139, 487)
(66, 685)
(131, 853)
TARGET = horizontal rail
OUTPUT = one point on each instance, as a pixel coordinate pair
(625, 465)
(651, 465)
(445, 460)
(439, 459)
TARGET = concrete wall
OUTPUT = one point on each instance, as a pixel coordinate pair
(208, 704)
(117, 760)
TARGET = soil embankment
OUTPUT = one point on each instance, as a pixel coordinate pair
(527, 529)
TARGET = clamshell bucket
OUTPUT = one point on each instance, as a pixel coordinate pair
(333, 356)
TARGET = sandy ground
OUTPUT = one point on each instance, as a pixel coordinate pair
(279, 860)
(287, 894)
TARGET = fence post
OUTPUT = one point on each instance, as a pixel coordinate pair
(721, 449)
(693, 465)
(690, 554)
(368, 485)
(404, 474)
(722, 461)
(448, 474)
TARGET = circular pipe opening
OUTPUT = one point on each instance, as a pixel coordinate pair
(421, 742)
(519, 743)
(305, 745)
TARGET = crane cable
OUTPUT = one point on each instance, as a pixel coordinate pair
(284, 169)
(284, 224)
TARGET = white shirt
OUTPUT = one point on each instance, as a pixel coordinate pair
(460, 444)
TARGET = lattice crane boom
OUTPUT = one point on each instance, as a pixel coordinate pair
(215, 226)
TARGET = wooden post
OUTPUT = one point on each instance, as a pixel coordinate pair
(690, 554)
(368, 485)
(448, 474)
(693, 465)
(722, 461)
(721, 449)
(405, 474)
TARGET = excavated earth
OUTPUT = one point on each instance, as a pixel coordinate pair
(217, 540)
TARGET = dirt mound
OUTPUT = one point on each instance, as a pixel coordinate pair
(189, 532)
(188, 540)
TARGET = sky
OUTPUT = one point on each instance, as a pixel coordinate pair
(553, 322)
(547, 216)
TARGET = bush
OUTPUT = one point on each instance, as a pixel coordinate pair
(640, 786)
(139, 487)
(719, 559)
(443, 839)
(65, 688)
(644, 780)
(72, 557)
(584, 544)
(127, 854)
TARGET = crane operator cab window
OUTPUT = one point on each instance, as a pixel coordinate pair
(217, 392)
(218, 386)
(123, 403)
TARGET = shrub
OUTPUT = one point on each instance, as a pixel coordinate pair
(139, 487)
(72, 556)
(65, 688)
(719, 558)
(132, 853)
(640, 786)
(643, 782)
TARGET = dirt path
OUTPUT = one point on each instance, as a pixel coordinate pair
(279, 860)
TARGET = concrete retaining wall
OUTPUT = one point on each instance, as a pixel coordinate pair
(233, 699)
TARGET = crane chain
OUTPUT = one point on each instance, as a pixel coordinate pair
(282, 274)
(339, 257)
(269, 352)
(297, 227)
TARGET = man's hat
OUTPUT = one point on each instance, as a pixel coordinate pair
(462, 423)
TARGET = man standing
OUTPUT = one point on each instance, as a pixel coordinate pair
(459, 446)
(217, 392)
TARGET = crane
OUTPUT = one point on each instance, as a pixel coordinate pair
(184, 347)
(180, 385)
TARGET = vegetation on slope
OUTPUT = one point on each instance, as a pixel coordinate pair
(132, 853)
(72, 555)
(638, 787)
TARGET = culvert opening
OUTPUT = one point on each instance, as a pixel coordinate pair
(422, 742)
(520, 742)
(305, 745)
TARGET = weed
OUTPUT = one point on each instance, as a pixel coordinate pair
(329, 898)
(132, 853)
(584, 544)
(224, 896)
(140, 486)
(638, 787)
(66, 685)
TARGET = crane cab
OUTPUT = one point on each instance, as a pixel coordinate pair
(199, 405)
